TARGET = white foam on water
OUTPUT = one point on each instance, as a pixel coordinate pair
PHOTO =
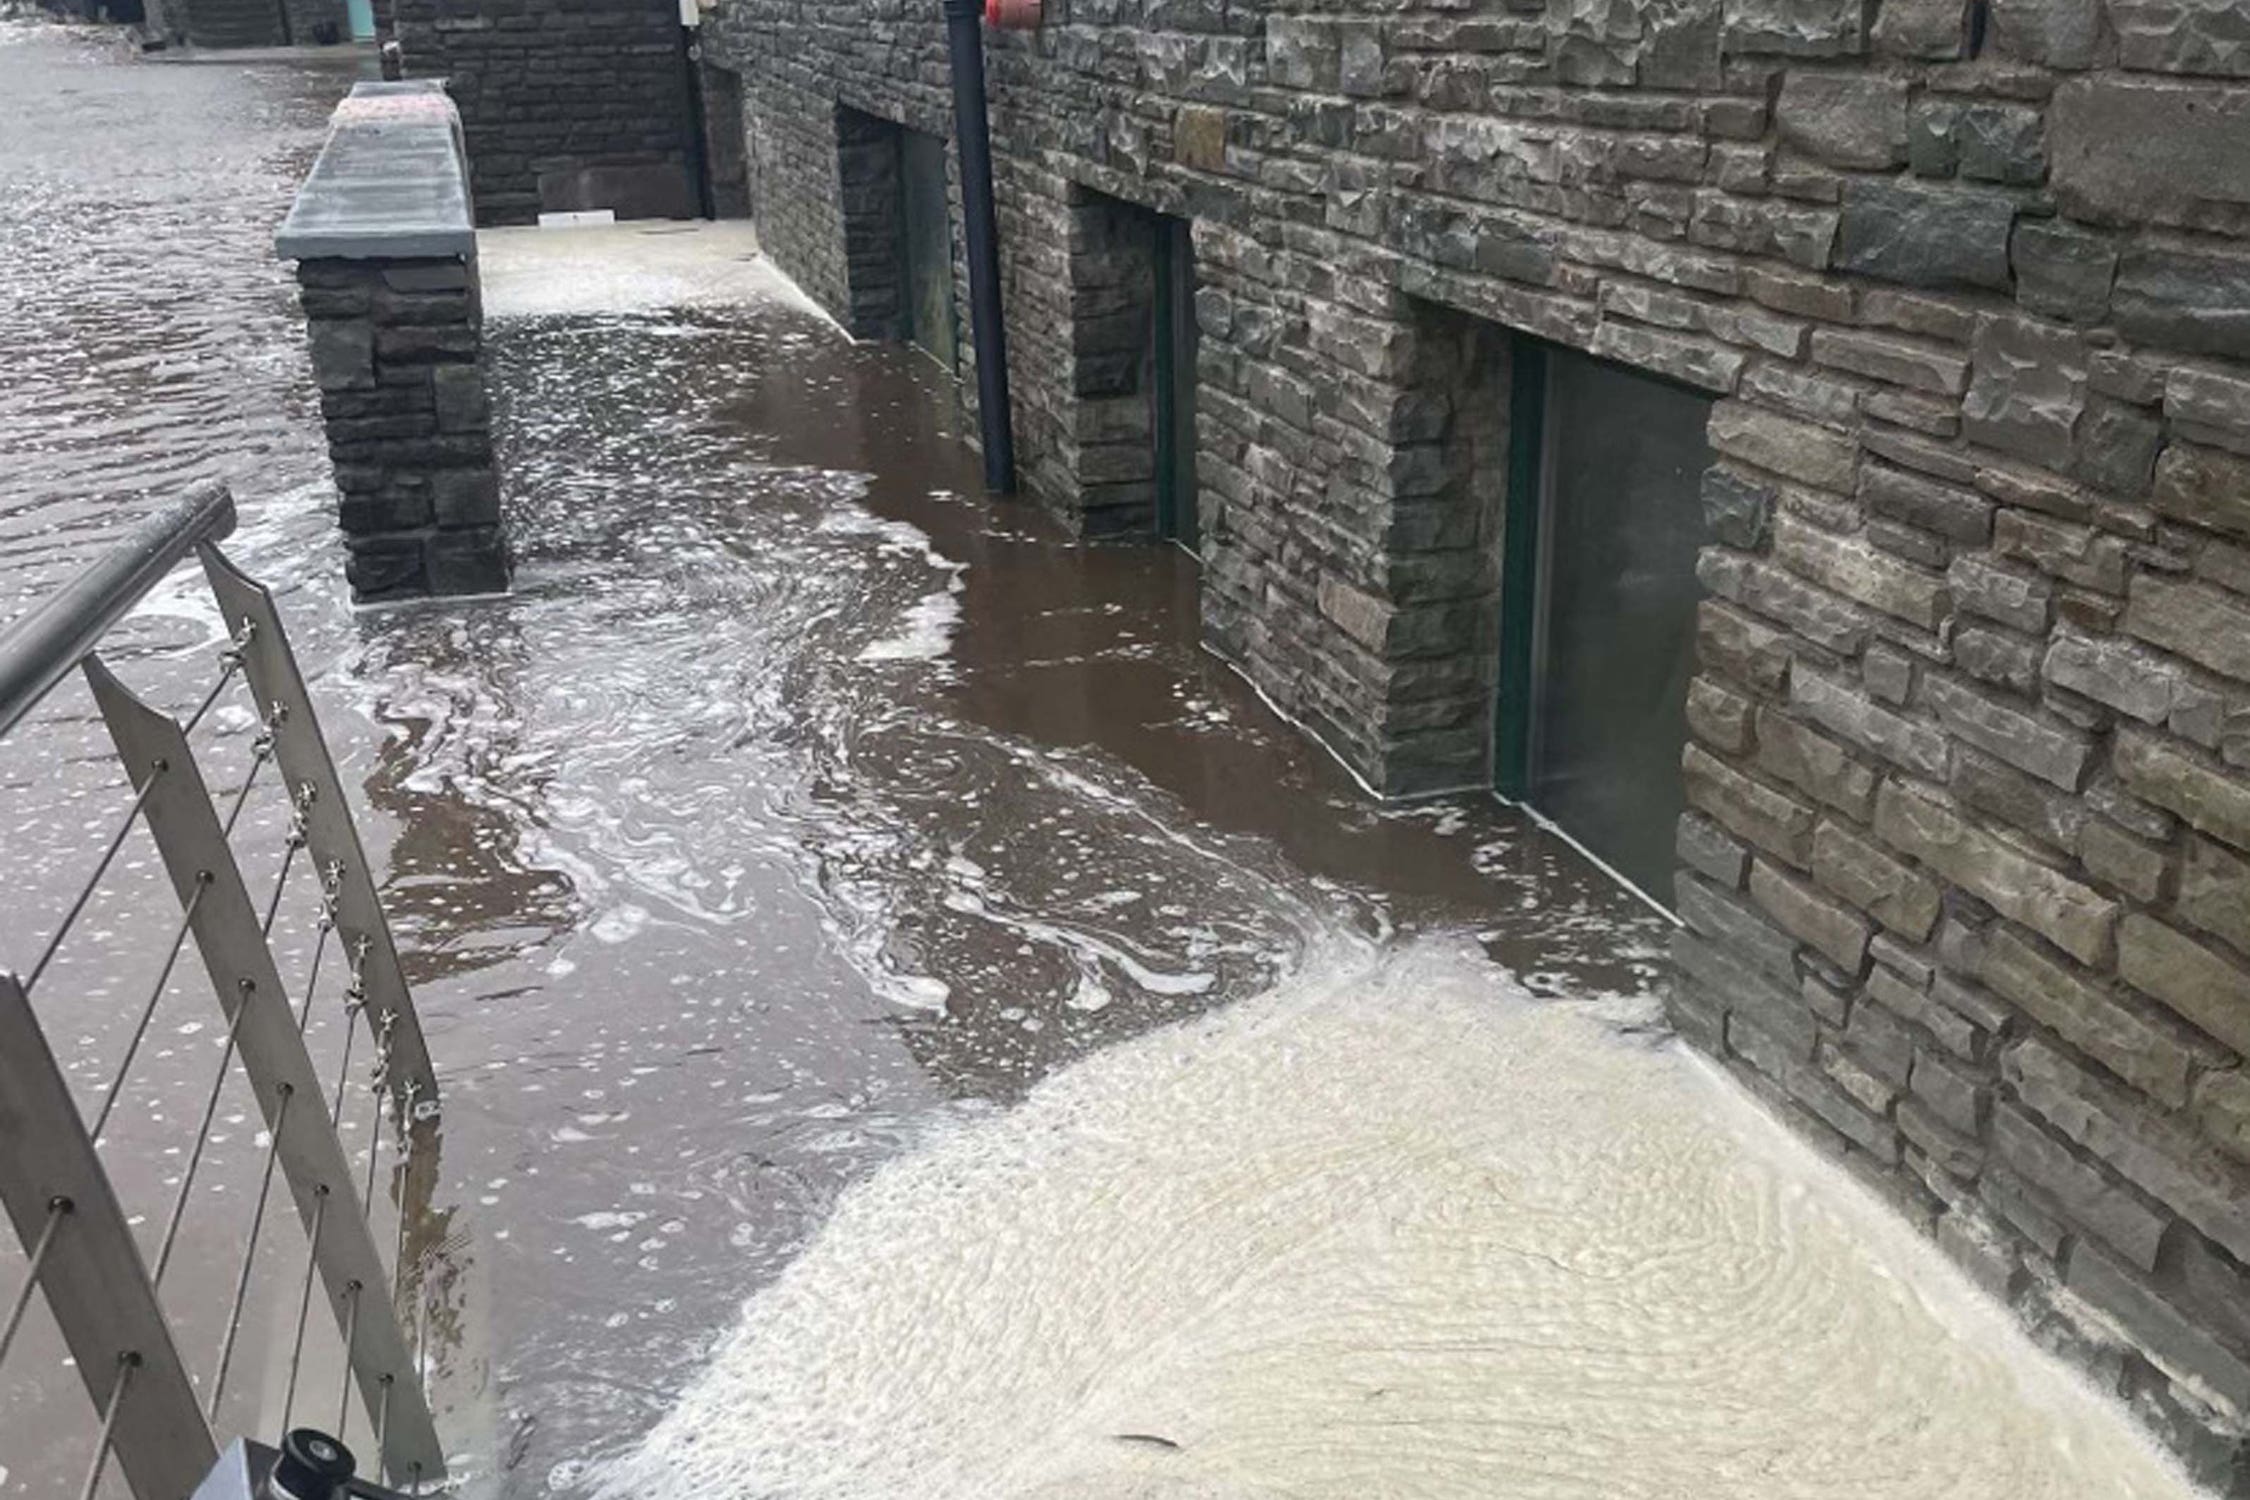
(1392, 1228)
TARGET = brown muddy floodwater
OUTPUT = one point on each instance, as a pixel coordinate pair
(763, 863)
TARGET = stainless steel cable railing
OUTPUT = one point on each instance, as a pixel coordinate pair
(155, 1407)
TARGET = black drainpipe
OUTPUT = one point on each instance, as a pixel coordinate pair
(973, 134)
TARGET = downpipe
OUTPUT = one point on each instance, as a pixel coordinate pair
(972, 135)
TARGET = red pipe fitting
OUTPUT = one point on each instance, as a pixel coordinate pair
(1012, 15)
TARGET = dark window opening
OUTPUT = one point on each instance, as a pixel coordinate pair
(1599, 598)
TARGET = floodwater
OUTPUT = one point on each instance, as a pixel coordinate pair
(908, 1021)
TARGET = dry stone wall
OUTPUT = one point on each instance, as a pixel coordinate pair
(1966, 883)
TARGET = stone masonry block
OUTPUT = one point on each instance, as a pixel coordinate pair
(1904, 741)
(1813, 763)
(2130, 1039)
(1749, 809)
(1820, 922)
(1711, 851)
(2155, 1152)
(1744, 649)
(2054, 752)
(1925, 236)
(2215, 892)
(1796, 450)
(2203, 486)
(2177, 1344)
(2205, 796)
(1861, 572)
(1807, 609)
(2074, 916)
(2013, 596)
(1886, 888)
(2078, 1190)
(2210, 991)
(1844, 119)
(2129, 678)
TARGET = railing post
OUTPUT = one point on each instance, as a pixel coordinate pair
(96, 1284)
(331, 837)
(229, 935)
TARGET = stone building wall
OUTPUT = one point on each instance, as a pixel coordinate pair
(567, 104)
(1966, 886)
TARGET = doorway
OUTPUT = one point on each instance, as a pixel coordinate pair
(1175, 345)
(1599, 594)
(926, 246)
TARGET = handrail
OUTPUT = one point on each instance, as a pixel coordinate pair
(47, 645)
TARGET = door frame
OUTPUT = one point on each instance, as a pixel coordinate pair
(1178, 518)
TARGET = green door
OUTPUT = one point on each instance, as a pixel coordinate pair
(927, 247)
(1176, 518)
(1599, 596)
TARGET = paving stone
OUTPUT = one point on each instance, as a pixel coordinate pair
(1924, 30)
(1925, 236)
(1991, 786)
(2075, 554)
(2182, 36)
(1954, 1094)
(1953, 1031)
(2213, 400)
(2204, 624)
(2116, 858)
(2222, 1108)
(2003, 143)
(2129, 1038)
(2075, 917)
(1796, 28)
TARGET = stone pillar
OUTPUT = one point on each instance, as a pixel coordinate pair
(386, 272)
(394, 349)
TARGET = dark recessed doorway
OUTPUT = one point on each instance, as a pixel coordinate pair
(1599, 599)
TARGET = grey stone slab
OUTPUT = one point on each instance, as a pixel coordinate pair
(391, 183)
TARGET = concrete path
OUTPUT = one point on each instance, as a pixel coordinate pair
(634, 267)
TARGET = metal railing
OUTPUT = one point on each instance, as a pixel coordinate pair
(103, 1284)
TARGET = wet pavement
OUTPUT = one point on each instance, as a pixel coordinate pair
(798, 814)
